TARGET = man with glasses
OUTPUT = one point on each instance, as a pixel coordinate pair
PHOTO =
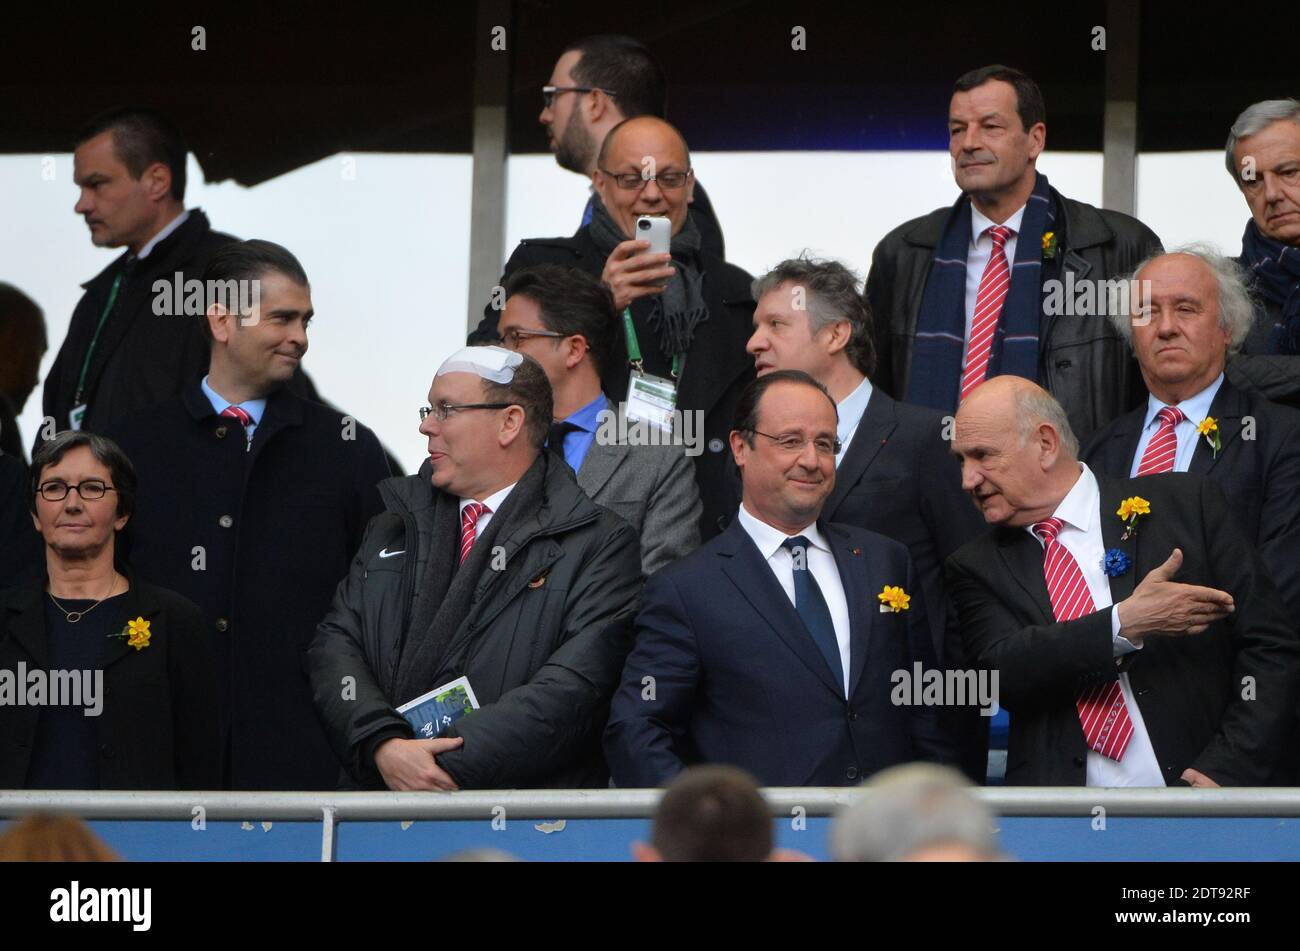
(685, 314)
(491, 565)
(252, 502)
(773, 647)
(597, 83)
(564, 319)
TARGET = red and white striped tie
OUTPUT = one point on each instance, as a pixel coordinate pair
(239, 413)
(468, 521)
(1163, 446)
(988, 307)
(1107, 727)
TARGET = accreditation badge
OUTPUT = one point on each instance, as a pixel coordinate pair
(651, 400)
(75, 417)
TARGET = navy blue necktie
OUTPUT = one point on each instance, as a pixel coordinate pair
(811, 607)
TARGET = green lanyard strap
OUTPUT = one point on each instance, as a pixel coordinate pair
(94, 341)
(634, 346)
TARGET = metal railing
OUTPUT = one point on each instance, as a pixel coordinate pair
(331, 808)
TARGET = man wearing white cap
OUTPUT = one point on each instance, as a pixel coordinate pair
(491, 565)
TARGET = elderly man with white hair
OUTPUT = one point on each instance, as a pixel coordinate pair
(1194, 419)
(492, 576)
(1138, 638)
(1263, 158)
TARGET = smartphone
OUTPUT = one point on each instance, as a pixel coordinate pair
(658, 231)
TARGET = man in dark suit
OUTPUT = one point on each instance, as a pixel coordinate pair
(1197, 314)
(1263, 158)
(597, 82)
(1114, 673)
(136, 335)
(894, 474)
(252, 502)
(564, 319)
(690, 311)
(997, 283)
(774, 646)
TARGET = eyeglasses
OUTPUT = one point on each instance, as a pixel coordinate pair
(792, 442)
(637, 180)
(90, 490)
(443, 410)
(550, 92)
(512, 337)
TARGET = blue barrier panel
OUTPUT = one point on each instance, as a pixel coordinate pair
(606, 840)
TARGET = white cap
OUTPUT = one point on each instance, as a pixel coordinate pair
(494, 364)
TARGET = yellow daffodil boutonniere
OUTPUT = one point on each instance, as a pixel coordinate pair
(136, 634)
(1210, 430)
(1049, 245)
(1129, 510)
(893, 598)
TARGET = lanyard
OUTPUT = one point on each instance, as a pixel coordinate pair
(94, 341)
(634, 346)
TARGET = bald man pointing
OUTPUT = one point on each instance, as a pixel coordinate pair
(1138, 637)
(685, 314)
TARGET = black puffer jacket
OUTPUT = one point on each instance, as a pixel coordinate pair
(1082, 361)
(543, 644)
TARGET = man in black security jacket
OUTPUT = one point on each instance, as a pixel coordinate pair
(128, 345)
(1138, 638)
(252, 502)
(491, 564)
(998, 283)
(684, 305)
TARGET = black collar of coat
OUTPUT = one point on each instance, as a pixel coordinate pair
(179, 245)
(26, 623)
(1082, 224)
(283, 409)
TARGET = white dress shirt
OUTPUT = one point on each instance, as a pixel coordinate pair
(977, 259)
(493, 502)
(167, 230)
(851, 410)
(820, 562)
(1080, 511)
(1195, 409)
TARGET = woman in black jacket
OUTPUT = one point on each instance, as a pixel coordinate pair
(105, 683)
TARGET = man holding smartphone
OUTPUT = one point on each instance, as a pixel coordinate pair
(686, 315)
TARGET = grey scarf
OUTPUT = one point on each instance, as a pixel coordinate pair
(681, 307)
(445, 597)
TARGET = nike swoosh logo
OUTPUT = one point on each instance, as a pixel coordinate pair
(389, 554)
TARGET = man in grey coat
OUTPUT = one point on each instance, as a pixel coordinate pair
(492, 565)
(565, 320)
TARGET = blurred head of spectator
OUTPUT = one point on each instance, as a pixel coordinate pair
(129, 165)
(710, 814)
(23, 343)
(915, 813)
(45, 838)
(597, 83)
(644, 168)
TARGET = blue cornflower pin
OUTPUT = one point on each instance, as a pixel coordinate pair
(1116, 563)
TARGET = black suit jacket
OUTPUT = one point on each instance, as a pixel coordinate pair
(737, 678)
(297, 503)
(157, 729)
(1258, 470)
(1189, 688)
(22, 554)
(716, 369)
(898, 478)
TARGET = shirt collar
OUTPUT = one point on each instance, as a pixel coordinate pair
(162, 235)
(1195, 408)
(979, 224)
(1080, 507)
(769, 539)
(588, 418)
(493, 501)
(851, 409)
(254, 408)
